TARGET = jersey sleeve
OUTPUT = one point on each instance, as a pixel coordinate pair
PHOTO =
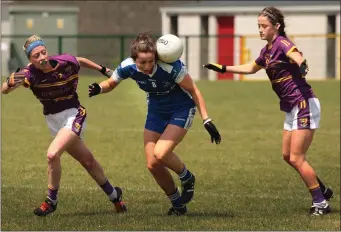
(286, 46)
(70, 59)
(179, 71)
(260, 61)
(124, 70)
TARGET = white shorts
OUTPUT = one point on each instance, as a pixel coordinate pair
(74, 119)
(306, 115)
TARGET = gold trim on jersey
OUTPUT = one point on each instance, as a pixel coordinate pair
(82, 111)
(303, 104)
(290, 50)
(63, 98)
(281, 79)
(57, 83)
(286, 43)
(27, 82)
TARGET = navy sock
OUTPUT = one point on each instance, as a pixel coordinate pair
(175, 199)
(185, 175)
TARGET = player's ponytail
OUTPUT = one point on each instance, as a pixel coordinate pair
(144, 42)
(275, 16)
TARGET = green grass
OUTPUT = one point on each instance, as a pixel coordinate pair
(242, 184)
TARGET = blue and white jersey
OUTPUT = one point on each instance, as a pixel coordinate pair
(164, 95)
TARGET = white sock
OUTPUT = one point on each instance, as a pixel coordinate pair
(113, 195)
(321, 204)
(54, 202)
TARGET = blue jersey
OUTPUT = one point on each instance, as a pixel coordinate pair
(164, 95)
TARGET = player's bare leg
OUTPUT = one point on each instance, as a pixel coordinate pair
(286, 142)
(298, 146)
(160, 172)
(83, 155)
(163, 152)
(60, 143)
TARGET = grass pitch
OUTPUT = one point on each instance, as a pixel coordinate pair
(242, 184)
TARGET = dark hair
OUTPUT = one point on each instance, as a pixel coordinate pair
(275, 16)
(144, 42)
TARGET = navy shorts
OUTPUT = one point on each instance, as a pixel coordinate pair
(158, 122)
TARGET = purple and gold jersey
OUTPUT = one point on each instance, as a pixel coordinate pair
(56, 89)
(284, 74)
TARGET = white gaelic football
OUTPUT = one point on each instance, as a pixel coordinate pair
(169, 48)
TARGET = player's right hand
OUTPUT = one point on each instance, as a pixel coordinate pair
(15, 79)
(215, 67)
(94, 89)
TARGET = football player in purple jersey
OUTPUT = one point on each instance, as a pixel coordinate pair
(53, 80)
(286, 68)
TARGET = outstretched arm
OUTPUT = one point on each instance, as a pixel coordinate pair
(86, 63)
(240, 69)
(103, 87)
(188, 84)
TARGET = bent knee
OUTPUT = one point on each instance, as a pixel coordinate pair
(296, 160)
(153, 165)
(286, 157)
(52, 156)
(159, 154)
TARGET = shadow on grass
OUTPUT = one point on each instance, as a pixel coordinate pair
(74, 214)
(210, 214)
(140, 213)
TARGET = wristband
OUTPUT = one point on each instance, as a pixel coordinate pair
(207, 120)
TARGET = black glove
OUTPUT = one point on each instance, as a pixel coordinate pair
(94, 89)
(216, 67)
(105, 72)
(210, 127)
(304, 68)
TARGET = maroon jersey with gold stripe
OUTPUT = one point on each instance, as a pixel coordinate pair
(56, 89)
(284, 74)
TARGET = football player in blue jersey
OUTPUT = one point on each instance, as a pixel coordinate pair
(172, 98)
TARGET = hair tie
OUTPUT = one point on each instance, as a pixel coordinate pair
(270, 15)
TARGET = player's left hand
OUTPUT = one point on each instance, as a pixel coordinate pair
(106, 72)
(94, 89)
(304, 69)
(210, 127)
